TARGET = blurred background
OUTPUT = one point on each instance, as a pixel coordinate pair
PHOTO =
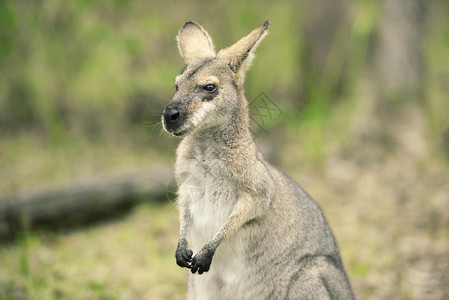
(348, 97)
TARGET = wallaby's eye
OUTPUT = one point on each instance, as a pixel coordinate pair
(210, 88)
(176, 87)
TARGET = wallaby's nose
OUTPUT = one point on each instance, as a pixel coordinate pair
(171, 115)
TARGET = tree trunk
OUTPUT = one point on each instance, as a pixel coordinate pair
(401, 72)
(81, 201)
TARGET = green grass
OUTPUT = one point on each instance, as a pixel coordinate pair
(128, 258)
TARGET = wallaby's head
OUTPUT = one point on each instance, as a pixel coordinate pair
(208, 89)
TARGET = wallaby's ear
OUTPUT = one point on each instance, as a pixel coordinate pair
(194, 43)
(241, 53)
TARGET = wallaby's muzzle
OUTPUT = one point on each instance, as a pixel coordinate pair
(173, 118)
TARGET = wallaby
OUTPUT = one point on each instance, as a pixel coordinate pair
(256, 233)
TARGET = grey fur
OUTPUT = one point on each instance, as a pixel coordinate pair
(252, 231)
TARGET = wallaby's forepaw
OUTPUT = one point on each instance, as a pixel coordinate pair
(201, 262)
(184, 257)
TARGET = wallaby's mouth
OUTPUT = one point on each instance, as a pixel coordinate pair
(180, 133)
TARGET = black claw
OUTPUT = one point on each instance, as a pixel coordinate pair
(195, 266)
(187, 255)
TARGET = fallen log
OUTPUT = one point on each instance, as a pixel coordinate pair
(82, 200)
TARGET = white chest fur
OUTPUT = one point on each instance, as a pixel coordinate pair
(209, 194)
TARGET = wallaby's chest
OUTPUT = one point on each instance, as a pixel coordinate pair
(207, 189)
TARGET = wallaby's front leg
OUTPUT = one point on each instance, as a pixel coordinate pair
(245, 210)
(183, 253)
